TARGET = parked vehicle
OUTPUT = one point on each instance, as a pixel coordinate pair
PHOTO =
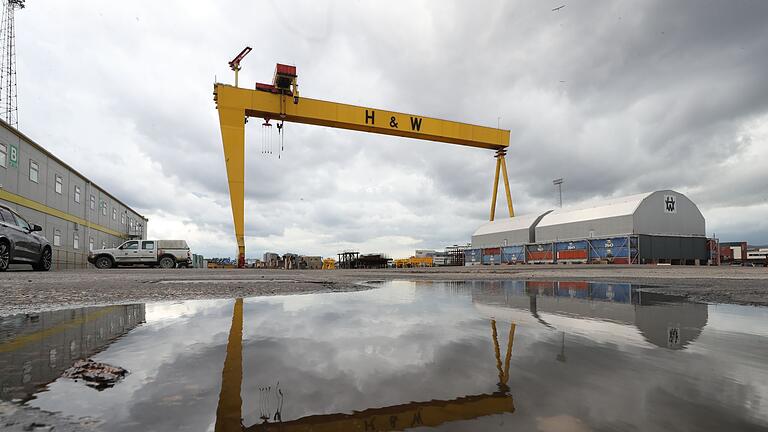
(758, 257)
(153, 253)
(21, 244)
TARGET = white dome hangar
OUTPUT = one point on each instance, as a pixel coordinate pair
(667, 225)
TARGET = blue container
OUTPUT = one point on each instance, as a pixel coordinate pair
(615, 292)
(540, 253)
(492, 259)
(473, 256)
(573, 245)
(609, 249)
(513, 254)
(514, 287)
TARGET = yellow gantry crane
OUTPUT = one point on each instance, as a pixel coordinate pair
(280, 102)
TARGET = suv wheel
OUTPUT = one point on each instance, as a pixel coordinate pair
(45, 261)
(167, 262)
(5, 256)
(103, 262)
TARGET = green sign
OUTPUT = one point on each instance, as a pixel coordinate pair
(13, 156)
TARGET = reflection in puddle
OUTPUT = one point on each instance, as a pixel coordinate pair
(449, 355)
(35, 349)
(396, 417)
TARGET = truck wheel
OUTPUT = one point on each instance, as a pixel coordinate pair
(167, 262)
(103, 262)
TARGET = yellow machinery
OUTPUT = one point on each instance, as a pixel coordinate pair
(392, 418)
(414, 262)
(329, 264)
(280, 102)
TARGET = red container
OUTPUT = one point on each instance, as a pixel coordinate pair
(572, 254)
(492, 251)
(539, 284)
(580, 285)
(540, 256)
(620, 260)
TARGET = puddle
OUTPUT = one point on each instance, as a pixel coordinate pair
(486, 355)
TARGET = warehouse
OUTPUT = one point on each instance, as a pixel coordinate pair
(76, 215)
(655, 227)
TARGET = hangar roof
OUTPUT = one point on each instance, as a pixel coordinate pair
(606, 208)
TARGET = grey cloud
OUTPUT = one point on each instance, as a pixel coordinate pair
(653, 95)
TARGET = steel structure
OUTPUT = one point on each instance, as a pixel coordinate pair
(8, 90)
(280, 102)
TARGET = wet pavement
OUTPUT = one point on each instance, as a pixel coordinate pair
(483, 355)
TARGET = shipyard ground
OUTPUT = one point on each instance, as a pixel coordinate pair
(27, 291)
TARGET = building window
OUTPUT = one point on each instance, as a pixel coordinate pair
(57, 238)
(103, 208)
(59, 184)
(90, 243)
(76, 240)
(3, 155)
(34, 171)
(93, 202)
(114, 213)
(77, 194)
(122, 218)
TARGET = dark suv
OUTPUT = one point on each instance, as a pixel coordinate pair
(20, 244)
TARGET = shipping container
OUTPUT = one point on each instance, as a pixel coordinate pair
(615, 292)
(572, 251)
(513, 254)
(539, 253)
(492, 259)
(473, 257)
(577, 289)
(514, 287)
(618, 250)
(540, 287)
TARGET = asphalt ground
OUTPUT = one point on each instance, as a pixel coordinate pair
(28, 291)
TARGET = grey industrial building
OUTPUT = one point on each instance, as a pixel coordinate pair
(658, 226)
(76, 214)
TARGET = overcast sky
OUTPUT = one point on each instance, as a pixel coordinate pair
(617, 97)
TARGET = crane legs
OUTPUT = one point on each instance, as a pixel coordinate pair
(501, 165)
(233, 136)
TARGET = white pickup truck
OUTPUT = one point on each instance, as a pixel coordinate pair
(153, 253)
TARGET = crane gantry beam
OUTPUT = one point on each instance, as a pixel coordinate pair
(277, 102)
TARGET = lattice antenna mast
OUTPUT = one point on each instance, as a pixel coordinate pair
(9, 109)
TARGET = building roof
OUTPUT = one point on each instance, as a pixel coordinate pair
(523, 222)
(647, 213)
(603, 209)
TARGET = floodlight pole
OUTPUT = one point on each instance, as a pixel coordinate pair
(559, 183)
